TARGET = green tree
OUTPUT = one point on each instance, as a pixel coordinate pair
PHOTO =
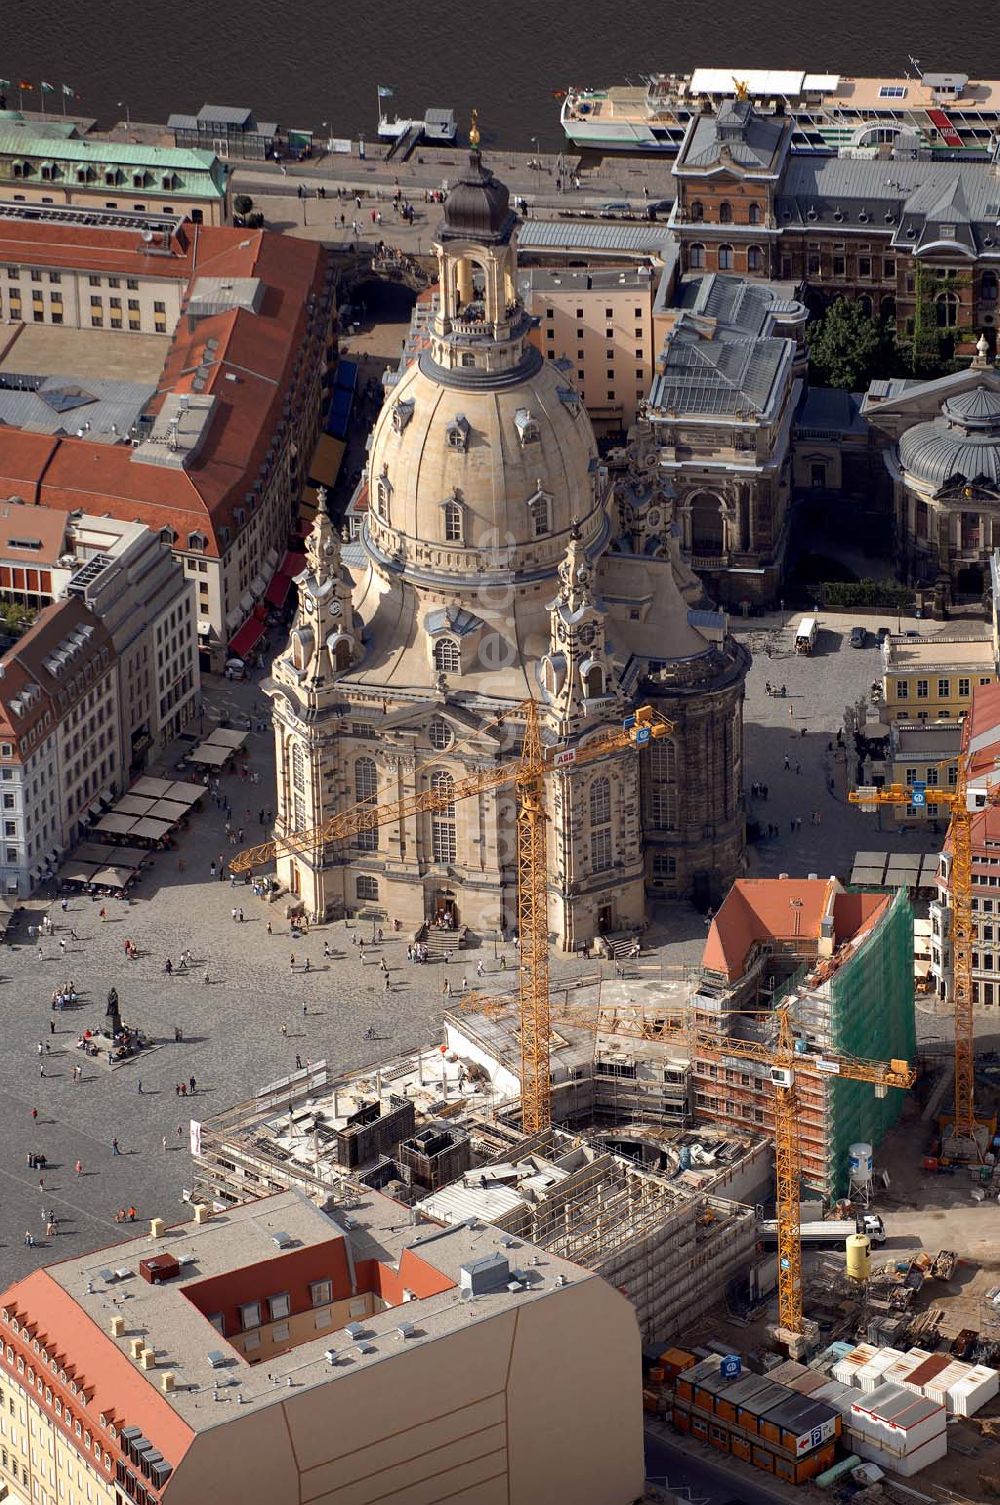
(242, 203)
(847, 348)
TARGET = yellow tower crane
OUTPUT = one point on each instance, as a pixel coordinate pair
(783, 1060)
(966, 1145)
(527, 779)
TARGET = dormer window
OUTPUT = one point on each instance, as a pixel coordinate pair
(383, 497)
(197, 541)
(454, 521)
(169, 180)
(139, 179)
(402, 412)
(458, 433)
(527, 427)
(111, 176)
(947, 232)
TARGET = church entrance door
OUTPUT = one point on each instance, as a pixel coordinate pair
(445, 910)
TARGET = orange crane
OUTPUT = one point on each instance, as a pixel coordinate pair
(783, 1060)
(962, 933)
(527, 779)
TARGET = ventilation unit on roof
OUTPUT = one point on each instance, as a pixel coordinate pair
(405, 1330)
(354, 1329)
(217, 1358)
(282, 1239)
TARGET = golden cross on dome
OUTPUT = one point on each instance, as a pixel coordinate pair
(474, 130)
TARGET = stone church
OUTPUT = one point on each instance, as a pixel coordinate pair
(495, 568)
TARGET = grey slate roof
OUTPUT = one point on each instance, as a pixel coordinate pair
(748, 139)
(832, 410)
(62, 405)
(745, 307)
(909, 200)
(732, 377)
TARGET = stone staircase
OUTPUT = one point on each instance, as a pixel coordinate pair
(441, 944)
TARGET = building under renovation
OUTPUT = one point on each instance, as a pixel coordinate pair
(844, 963)
(663, 1211)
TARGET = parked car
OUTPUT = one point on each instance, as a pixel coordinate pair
(883, 633)
(859, 637)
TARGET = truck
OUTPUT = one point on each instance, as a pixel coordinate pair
(833, 1232)
(805, 635)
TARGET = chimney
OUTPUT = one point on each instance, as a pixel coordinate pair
(117, 1326)
(135, 1346)
(156, 1227)
(201, 1213)
(167, 1381)
(147, 1359)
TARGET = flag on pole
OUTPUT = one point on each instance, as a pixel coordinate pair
(384, 92)
(24, 83)
(69, 92)
(48, 88)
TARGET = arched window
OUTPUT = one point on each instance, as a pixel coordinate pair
(341, 655)
(755, 259)
(298, 812)
(439, 734)
(947, 310)
(444, 843)
(447, 657)
(452, 522)
(706, 524)
(383, 494)
(593, 682)
(366, 793)
(600, 802)
(660, 786)
(725, 213)
(887, 309)
(366, 886)
(697, 210)
(725, 258)
(753, 214)
(696, 255)
(601, 853)
(865, 305)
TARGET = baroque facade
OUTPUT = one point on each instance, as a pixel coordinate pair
(494, 569)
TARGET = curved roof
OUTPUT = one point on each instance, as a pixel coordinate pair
(964, 443)
(478, 207)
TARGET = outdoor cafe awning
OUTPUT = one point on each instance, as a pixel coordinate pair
(326, 461)
(228, 736)
(250, 633)
(117, 825)
(277, 592)
(211, 754)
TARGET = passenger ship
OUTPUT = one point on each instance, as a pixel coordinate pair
(948, 113)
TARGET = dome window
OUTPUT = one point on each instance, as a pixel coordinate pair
(383, 496)
(402, 412)
(454, 521)
(540, 512)
(527, 427)
(447, 656)
(458, 433)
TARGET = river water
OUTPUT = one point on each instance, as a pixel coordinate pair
(305, 64)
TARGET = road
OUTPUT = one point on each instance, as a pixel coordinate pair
(709, 1483)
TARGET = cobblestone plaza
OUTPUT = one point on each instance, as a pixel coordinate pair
(232, 1024)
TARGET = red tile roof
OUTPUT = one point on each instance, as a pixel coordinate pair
(119, 1389)
(258, 349)
(783, 909)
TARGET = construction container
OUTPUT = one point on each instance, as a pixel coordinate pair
(808, 1383)
(898, 1430)
(936, 1389)
(974, 1390)
(904, 1367)
(925, 1372)
(872, 1374)
(846, 1369)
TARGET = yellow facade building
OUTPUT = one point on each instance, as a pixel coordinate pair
(932, 677)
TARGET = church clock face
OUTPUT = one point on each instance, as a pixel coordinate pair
(336, 609)
(310, 604)
(561, 633)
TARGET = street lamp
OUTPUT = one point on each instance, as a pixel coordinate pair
(496, 938)
(128, 118)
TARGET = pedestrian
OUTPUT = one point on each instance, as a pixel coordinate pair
(192, 1084)
(798, 768)
(52, 1026)
(305, 1010)
(34, 1112)
(163, 1142)
(180, 1131)
(241, 914)
(211, 868)
(78, 1168)
(388, 982)
(446, 989)
(326, 950)
(177, 1089)
(138, 1086)
(115, 1147)
(291, 963)
(233, 913)
(39, 1047)
(298, 1061)
(269, 927)
(503, 964)
(787, 763)
(62, 943)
